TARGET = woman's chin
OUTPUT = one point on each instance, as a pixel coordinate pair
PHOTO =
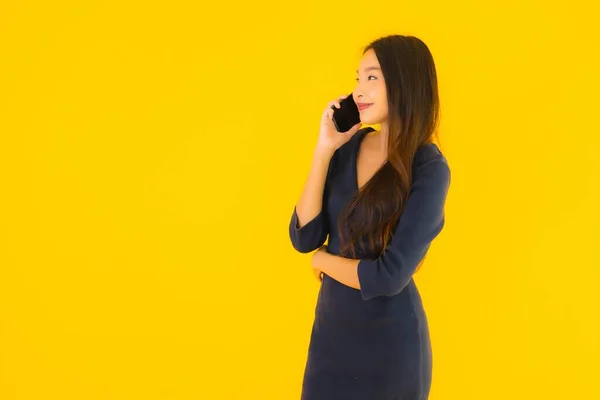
(367, 121)
(371, 117)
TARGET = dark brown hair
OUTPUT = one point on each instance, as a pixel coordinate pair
(413, 114)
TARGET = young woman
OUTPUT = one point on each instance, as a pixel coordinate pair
(379, 196)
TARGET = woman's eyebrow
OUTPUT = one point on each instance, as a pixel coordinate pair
(370, 68)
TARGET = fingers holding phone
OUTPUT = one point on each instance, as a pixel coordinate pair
(329, 110)
(339, 122)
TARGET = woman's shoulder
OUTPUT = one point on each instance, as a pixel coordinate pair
(428, 153)
(429, 161)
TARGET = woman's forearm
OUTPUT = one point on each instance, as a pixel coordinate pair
(311, 200)
(343, 270)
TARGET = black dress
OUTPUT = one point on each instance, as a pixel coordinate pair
(373, 343)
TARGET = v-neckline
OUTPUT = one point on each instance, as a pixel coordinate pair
(356, 149)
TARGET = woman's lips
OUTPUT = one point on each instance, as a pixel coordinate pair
(364, 106)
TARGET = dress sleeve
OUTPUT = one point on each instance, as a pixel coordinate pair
(314, 233)
(420, 222)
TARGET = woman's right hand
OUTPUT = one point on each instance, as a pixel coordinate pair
(329, 138)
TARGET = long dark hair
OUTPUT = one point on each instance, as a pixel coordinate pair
(413, 114)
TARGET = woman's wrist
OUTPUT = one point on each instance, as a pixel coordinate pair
(324, 152)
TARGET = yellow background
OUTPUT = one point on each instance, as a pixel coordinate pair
(152, 154)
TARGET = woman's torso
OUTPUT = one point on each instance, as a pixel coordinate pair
(337, 301)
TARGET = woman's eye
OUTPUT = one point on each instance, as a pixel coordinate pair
(370, 76)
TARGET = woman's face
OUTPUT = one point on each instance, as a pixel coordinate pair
(370, 88)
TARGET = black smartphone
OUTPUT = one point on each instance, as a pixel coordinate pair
(347, 115)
